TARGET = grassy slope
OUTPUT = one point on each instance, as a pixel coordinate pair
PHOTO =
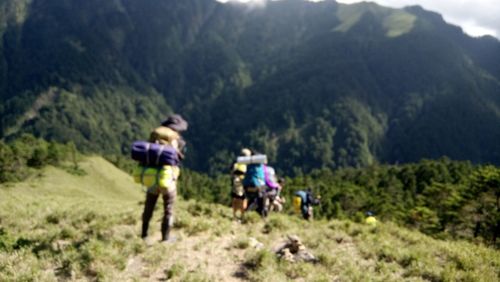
(58, 225)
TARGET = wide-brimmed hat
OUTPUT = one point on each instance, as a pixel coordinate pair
(176, 122)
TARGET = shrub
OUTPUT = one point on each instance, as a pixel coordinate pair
(242, 243)
(176, 270)
(275, 223)
(197, 227)
(326, 260)
(261, 259)
(251, 218)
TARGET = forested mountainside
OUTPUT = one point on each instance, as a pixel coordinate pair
(313, 85)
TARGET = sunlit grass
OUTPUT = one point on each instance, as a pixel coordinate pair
(60, 226)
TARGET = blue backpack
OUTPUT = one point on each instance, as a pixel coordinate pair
(254, 176)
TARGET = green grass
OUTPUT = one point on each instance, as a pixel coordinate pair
(61, 226)
(395, 22)
(58, 224)
(399, 23)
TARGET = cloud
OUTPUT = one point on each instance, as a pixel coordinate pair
(251, 3)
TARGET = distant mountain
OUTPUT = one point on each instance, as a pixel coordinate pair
(311, 84)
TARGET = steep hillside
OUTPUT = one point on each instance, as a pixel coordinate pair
(59, 226)
(311, 84)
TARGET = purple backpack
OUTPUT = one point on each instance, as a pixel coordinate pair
(152, 154)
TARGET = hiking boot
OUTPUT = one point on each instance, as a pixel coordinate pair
(148, 241)
(169, 240)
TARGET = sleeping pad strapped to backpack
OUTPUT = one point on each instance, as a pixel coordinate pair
(152, 154)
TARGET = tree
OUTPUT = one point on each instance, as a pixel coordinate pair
(484, 197)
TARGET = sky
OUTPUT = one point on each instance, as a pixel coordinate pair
(476, 17)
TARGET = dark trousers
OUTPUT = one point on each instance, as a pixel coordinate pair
(257, 199)
(306, 213)
(168, 208)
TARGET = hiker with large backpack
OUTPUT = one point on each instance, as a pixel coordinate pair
(303, 203)
(276, 201)
(239, 200)
(159, 170)
(273, 187)
(254, 182)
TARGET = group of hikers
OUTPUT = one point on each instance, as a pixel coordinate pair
(254, 183)
(255, 186)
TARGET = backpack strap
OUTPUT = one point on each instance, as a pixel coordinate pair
(266, 173)
(142, 174)
(157, 180)
(148, 145)
(162, 147)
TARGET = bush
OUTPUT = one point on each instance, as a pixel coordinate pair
(29, 152)
(251, 218)
(275, 223)
(176, 270)
(242, 243)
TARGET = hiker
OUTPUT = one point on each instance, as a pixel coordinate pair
(277, 201)
(303, 202)
(254, 183)
(168, 134)
(239, 201)
(370, 219)
(273, 188)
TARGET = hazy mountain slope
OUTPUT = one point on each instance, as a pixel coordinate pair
(62, 226)
(310, 84)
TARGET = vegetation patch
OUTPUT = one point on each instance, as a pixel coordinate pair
(71, 228)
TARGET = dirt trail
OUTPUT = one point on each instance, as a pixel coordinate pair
(215, 257)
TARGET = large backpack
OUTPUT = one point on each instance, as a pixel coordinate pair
(270, 178)
(297, 204)
(237, 188)
(299, 199)
(237, 176)
(254, 176)
(166, 136)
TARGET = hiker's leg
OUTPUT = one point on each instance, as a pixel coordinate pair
(149, 207)
(244, 207)
(234, 205)
(305, 211)
(278, 206)
(168, 213)
(251, 201)
(260, 205)
(311, 213)
(261, 202)
(237, 206)
(270, 197)
(265, 205)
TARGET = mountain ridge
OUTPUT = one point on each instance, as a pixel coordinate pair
(362, 83)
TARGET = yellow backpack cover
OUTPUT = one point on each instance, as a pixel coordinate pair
(297, 202)
(162, 177)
